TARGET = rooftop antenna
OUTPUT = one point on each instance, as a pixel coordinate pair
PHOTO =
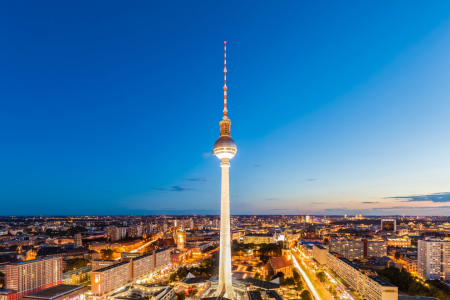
(225, 82)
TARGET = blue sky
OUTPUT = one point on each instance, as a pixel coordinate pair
(113, 107)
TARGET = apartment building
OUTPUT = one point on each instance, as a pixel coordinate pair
(410, 264)
(98, 264)
(350, 249)
(375, 248)
(161, 258)
(108, 279)
(396, 242)
(115, 233)
(143, 265)
(135, 231)
(112, 233)
(357, 249)
(433, 260)
(33, 275)
(320, 254)
(105, 281)
(366, 282)
(257, 238)
(78, 242)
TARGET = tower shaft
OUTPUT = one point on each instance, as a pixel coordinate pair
(225, 283)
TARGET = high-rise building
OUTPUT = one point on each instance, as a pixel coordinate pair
(433, 261)
(389, 224)
(77, 241)
(225, 149)
(33, 275)
(135, 231)
(112, 233)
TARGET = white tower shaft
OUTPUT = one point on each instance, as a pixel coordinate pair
(225, 283)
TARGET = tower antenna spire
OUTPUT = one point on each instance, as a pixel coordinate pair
(225, 83)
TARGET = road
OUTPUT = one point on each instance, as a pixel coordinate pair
(141, 247)
(317, 289)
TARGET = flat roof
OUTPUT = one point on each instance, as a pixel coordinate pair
(256, 295)
(267, 285)
(196, 280)
(57, 291)
(110, 267)
(33, 260)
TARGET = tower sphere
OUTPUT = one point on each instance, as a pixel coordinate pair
(225, 147)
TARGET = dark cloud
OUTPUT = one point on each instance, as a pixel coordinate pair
(175, 188)
(370, 202)
(178, 188)
(197, 179)
(311, 179)
(437, 197)
(158, 189)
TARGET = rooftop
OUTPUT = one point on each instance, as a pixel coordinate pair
(196, 280)
(267, 285)
(57, 291)
(256, 295)
(110, 267)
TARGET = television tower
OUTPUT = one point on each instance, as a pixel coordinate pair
(225, 149)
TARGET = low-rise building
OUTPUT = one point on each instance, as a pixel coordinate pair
(257, 238)
(59, 292)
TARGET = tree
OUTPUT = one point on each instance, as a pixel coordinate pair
(107, 254)
(48, 232)
(300, 286)
(181, 296)
(321, 276)
(296, 275)
(75, 264)
(288, 281)
(268, 278)
(257, 275)
(306, 295)
(325, 241)
(206, 263)
(332, 290)
(264, 258)
(193, 291)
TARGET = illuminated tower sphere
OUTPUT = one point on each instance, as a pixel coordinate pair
(225, 149)
(181, 239)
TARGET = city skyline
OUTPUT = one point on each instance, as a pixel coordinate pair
(336, 112)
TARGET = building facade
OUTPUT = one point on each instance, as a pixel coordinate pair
(433, 261)
(256, 238)
(110, 278)
(357, 249)
(33, 275)
(366, 282)
(320, 254)
(389, 224)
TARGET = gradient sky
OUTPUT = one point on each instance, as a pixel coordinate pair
(112, 107)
